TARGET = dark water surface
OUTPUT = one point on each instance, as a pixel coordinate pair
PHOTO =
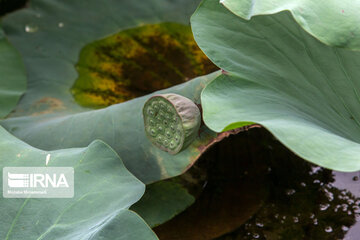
(304, 201)
(258, 189)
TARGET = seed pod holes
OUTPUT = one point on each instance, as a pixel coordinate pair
(171, 121)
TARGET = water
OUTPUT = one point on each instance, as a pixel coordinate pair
(328, 229)
(31, 28)
(304, 201)
(349, 182)
(291, 199)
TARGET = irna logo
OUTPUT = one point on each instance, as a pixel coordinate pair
(38, 182)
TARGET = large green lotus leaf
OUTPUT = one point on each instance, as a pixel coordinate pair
(276, 74)
(50, 36)
(103, 192)
(12, 76)
(332, 22)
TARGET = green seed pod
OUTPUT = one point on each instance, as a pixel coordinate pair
(171, 121)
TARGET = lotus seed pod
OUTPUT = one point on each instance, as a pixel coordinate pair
(171, 121)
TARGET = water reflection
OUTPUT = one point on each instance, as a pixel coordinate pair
(255, 188)
(350, 182)
(304, 201)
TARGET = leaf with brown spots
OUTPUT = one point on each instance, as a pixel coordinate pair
(136, 62)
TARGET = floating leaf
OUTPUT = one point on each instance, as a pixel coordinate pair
(276, 74)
